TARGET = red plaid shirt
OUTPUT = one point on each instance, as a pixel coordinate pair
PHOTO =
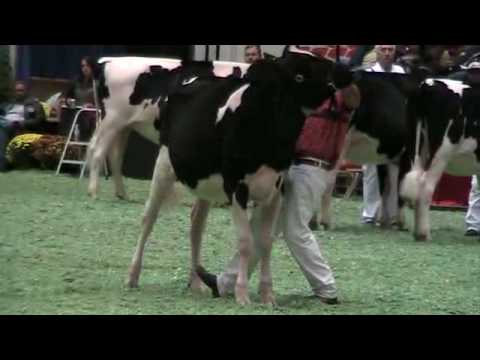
(323, 136)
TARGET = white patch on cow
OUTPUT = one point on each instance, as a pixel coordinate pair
(455, 85)
(296, 50)
(464, 161)
(261, 184)
(233, 102)
(147, 130)
(189, 81)
(363, 149)
(225, 68)
(211, 189)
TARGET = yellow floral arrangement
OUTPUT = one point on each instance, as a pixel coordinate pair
(39, 151)
(21, 144)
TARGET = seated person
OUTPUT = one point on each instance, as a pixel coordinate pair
(81, 91)
(23, 114)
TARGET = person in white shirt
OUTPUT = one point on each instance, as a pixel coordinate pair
(472, 218)
(371, 190)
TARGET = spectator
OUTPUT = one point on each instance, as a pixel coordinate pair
(472, 218)
(82, 92)
(359, 55)
(253, 53)
(82, 88)
(371, 191)
(25, 113)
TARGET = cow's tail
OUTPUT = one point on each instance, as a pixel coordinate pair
(410, 186)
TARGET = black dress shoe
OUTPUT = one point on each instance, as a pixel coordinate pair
(330, 301)
(472, 232)
(313, 225)
(210, 280)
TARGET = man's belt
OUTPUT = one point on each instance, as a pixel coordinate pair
(316, 163)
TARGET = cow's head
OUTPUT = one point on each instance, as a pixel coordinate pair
(315, 79)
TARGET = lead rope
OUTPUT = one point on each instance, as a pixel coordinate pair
(333, 109)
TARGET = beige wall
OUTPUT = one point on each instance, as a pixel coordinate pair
(234, 52)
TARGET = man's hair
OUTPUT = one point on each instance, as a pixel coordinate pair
(377, 47)
(20, 82)
(258, 47)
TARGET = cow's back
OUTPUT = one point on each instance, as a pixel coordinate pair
(122, 93)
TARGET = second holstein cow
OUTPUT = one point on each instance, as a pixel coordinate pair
(243, 138)
(445, 134)
(378, 135)
(130, 91)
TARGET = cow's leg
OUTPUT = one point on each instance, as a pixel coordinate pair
(269, 214)
(428, 183)
(245, 242)
(109, 129)
(198, 222)
(326, 209)
(161, 187)
(115, 158)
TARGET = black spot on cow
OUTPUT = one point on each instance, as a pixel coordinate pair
(436, 105)
(237, 72)
(151, 85)
(382, 113)
(160, 82)
(241, 195)
(103, 91)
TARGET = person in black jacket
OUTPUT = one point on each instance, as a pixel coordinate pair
(23, 114)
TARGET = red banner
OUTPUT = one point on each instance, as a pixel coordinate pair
(330, 51)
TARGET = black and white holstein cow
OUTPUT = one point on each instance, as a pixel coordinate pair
(378, 135)
(230, 140)
(445, 134)
(130, 90)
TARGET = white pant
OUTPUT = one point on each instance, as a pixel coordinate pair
(472, 219)
(304, 186)
(371, 193)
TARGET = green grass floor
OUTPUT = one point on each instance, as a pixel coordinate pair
(62, 253)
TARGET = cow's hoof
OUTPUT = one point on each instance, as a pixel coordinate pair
(133, 278)
(268, 299)
(243, 300)
(93, 195)
(422, 237)
(241, 295)
(326, 226)
(385, 225)
(196, 285)
(122, 196)
(208, 279)
(132, 284)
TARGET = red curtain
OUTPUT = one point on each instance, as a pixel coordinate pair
(452, 191)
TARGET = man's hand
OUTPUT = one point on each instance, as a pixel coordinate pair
(352, 97)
